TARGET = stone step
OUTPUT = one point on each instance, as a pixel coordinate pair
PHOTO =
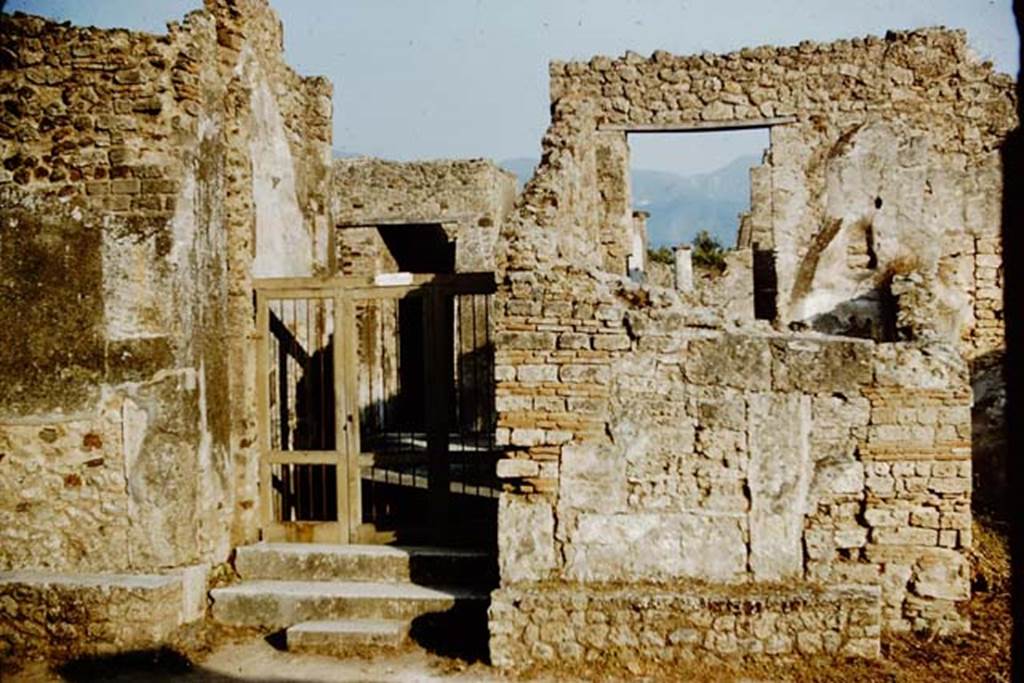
(279, 604)
(338, 636)
(380, 563)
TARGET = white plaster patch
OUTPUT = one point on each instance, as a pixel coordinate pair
(284, 247)
(135, 305)
(134, 422)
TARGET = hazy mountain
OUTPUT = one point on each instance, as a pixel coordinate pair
(681, 205)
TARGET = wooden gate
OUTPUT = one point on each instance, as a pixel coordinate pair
(376, 408)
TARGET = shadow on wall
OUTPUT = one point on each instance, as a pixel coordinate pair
(868, 316)
(989, 447)
(1013, 217)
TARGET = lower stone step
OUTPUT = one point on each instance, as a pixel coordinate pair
(339, 636)
(324, 562)
(279, 604)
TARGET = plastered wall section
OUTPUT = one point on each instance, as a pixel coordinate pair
(126, 247)
(468, 198)
(277, 206)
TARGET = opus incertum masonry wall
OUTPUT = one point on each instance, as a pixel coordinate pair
(684, 481)
(146, 179)
(681, 479)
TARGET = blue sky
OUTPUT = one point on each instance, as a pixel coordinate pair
(468, 78)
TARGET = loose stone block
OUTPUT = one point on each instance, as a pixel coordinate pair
(526, 546)
(780, 471)
(730, 360)
(508, 468)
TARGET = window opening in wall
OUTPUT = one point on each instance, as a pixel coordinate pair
(707, 193)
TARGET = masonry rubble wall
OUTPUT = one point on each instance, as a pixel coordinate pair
(659, 450)
(60, 616)
(136, 207)
(891, 166)
(653, 441)
(469, 199)
(681, 624)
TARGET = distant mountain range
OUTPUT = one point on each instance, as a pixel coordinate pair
(681, 205)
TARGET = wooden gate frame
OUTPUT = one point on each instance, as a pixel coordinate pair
(344, 291)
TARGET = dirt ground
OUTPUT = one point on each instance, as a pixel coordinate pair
(207, 656)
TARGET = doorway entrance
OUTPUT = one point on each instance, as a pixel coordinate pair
(376, 409)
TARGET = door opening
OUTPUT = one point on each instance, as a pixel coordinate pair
(377, 410)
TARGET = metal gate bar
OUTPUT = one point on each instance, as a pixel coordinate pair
(376, 404)
(303, 464)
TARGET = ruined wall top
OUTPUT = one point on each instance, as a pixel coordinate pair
(367, 190)
(921, 72)
(470, 198)
(926, 80)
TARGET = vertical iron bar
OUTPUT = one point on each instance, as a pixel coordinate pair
(478, 399)
(486, 416)
(320, 472)
(282, 389)
(272, 352)
(436, 376)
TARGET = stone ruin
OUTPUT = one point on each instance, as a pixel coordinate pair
(467, 201)
(686, 480)
(774, 462)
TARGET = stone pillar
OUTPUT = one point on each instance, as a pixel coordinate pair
(684, 268)
(760, 205)
(637, 260)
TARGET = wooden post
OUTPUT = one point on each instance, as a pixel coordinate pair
(346, 426)
(262, 341)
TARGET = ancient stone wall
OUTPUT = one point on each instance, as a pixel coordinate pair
(896, 136)
(278, 128)
(60, 616)
(649, 447)
(660, 446)
(887, 163)
(680, 624)
(131, 185)
(467, 199)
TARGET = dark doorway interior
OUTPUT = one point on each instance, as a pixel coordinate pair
(419, 247)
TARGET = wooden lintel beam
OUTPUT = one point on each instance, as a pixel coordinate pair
(697, 126)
